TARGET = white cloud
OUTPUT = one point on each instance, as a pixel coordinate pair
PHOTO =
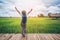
(51, 2)
(39, 6)
(54, 9)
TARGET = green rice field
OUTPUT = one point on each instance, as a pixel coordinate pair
(34, 25)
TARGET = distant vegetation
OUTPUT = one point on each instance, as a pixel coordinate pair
(55, 15)
(41, 15)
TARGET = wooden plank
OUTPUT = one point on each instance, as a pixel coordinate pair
(30, 37)
(24, 38)
(1, 35)
(5, 37)
(49, 35)
(45, 37)
(38, 37)
(16, 37)
(58, 35)
(55, 37)
(41, 37)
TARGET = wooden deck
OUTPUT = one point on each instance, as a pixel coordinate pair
(30, 37)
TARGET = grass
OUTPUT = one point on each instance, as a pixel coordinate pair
(34, 25)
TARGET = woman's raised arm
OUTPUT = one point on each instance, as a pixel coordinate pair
(17, 10)
(30, 11)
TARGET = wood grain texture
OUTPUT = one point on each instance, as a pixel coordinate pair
(30, 37)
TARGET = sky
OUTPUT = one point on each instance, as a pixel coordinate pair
(39, 6)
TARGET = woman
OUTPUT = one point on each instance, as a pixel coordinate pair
(24, 20)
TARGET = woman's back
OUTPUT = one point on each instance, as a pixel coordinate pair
(24, 18)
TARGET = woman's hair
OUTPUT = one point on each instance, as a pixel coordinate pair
(23, 12)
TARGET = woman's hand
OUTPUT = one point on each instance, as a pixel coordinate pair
(31, 9)
(15, 8)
